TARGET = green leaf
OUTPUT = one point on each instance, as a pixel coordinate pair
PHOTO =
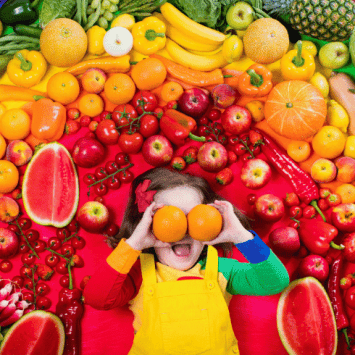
(52, 9)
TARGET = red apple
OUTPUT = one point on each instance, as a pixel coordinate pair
(269, 207)
(349, 247)
(212, 156)
(236, 119)
(88, 152)
(285, 241)
(9, 243)
(223, 95)
(315, 266)
(343, 217)
(157, 150)
(255, 173)
(194, 102)
(93, 216)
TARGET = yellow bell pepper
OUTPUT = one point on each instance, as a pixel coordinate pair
(149, 35)
(96, 36)
(27, 68)
(298, 64)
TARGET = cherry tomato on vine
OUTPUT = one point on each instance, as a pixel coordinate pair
(68, 250)
(64, 281)
(61, 267)
(158, 112)
(23, 248)
(28, 296)
(126, 176)
(99, 199)
(223, 139)
(89, 178)
(62, 233)
(149, 125)
(111, 167)
(203, 121)
(28, 258)
(144, 100)
(100, 189)
(39, 246)
(122, 159)
(32, 235)
(42, 289)
(211, 138)
(123, 111)
(5, 266)
(26, 271)
(214, 114)
(309, 212)
(296, 212)
(52, 260)
(27, 283)
(233, 140)
(73, 226)
(54, 243)
(78, 242)
(239, 149)
(107, 133)
(18, 280)
(256, 150)
(43, 303)
(113, 183)
(202, 131)
(25, 223)
(14, 228)
(246, 157)
(130, 143)
(100, 173)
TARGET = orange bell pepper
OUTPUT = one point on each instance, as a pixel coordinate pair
(48, 120)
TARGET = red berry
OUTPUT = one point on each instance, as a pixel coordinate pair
(251, 198)
(78, 242)
(73, 113)
(42, 289)
(18, 280)
(5, 266)
(62, 233)
(64, 281)
(28, 296)
(214, 115)
(85, 121)
(54, 243)
(43, 303)
(345, 283)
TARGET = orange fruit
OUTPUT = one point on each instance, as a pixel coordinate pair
(91, 105)
(119, 89)
(15, 124)
(329, 142)
(63, 42)
(2, 109)
(295, 109)
(204, 222)
(171, 91)
(256, 109)
(63, 87)
(169, 224)
(265, 41)
(346, 192)
(299, 150)
(2, 146)
(148, 74)
(9, 176)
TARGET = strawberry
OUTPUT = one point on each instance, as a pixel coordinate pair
(232, 157)
(16, 194)
(190, 154)
(292, 199)
(44, 271)
(84, 281)
(333, 200)
(225, 176)
(255, 138)
(72, 127)
(178, 163)
(77, 261)
(324, 193)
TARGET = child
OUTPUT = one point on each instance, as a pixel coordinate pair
(182, 306)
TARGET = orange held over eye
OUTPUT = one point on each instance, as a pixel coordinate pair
(119, 89)
(63, 87)
(169, 224)
(204, 222)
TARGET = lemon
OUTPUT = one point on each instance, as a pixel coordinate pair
(309, 46)
(349, 150)
(232, 49)
(337, 116)
(321, 83)
(124, 20)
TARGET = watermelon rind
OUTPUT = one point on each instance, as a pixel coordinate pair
(38, 313)
(33, 216)
(281, 303)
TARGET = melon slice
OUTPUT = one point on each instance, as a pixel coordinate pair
(305, 319)
(50, 189)
(36, 333)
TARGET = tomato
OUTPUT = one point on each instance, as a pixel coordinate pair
(64, 281)
(25, 223)
(105, 115)
(73, 113)
(39, 246)
(5, 266)
(73, 226)
(78, 242)
(62, 233)
(251, 198)
(149, 125)
(246, 157)
(100, 189)
(111, 230)
(239, 149)
(233, 140)
(203, 121)
(126, 176)
(54, 243)
(32, 235)
(28, 296)
(211, 138)
(89, 178)
(28, 258)
(214, 115)
(130, 143)
(223, 139)
(256, 150)
(122, 159)
(309, 212)
(111, 167)
(323, 204)
(78, 261)
(296, 212)
(218, 127)
(107, 133)
(23, 247)
(350, 297)
(293, 224)
(43, 302)
(68, 250)
(26, 271)
(61, 267)
(123, 125)
(100, 173)
(144, 101)
(27, 283)
(52, 260)
(42, 289)
(14, 228)
(113, 182)
(123, 111)
(202, 131)
(18, 280)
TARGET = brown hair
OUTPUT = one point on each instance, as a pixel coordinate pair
(163, 179)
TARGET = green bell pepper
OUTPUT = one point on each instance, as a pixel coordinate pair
(17, 11)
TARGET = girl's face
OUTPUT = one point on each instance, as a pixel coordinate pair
(181, 255)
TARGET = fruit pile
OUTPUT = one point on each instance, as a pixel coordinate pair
(237, 104)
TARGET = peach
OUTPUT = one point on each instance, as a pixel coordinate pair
(9, 209)
(323, 170)
(93, 80)
(18, 152)
(346, 169)
(223, 95)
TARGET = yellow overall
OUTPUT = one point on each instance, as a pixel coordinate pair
(187, 317)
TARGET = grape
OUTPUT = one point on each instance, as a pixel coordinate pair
(108, 16)
(90, 10)
(113, 8)
(102, 11)
(105, 4)
(95, 4)
(103, 23)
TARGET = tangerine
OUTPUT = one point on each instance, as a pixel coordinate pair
(299, 150)
(119, 89)
(169, 224)
(256, 109)
(91, 105)
(15, 124)
(9, 176)
(149, 74)
(204, 222)
(329, 142)
(346, 192)
(171, 91)
(63, 87)
(2, 146)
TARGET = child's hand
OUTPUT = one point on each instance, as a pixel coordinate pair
(232, 230)
(142, 237)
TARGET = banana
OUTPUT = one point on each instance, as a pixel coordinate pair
(194, 61)
(189, 27)
(206, 53)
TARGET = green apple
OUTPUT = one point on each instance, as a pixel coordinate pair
(334, 55)
(240, 15)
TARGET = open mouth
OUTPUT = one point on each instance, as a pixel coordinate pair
(182, 250)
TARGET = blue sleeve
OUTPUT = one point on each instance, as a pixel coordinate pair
(254, 250)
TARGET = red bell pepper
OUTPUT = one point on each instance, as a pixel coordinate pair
(178, 127)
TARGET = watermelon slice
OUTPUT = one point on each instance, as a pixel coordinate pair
(36, 333)
(50, 189)
(305, 319)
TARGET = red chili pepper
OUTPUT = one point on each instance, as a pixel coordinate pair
(317, 235)
(177, 127)
(302, 183)
(335, 297)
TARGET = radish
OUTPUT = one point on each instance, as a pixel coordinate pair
(7, 312)
(5, 291)
(22, 304)
(13, 318)
(4, 304)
